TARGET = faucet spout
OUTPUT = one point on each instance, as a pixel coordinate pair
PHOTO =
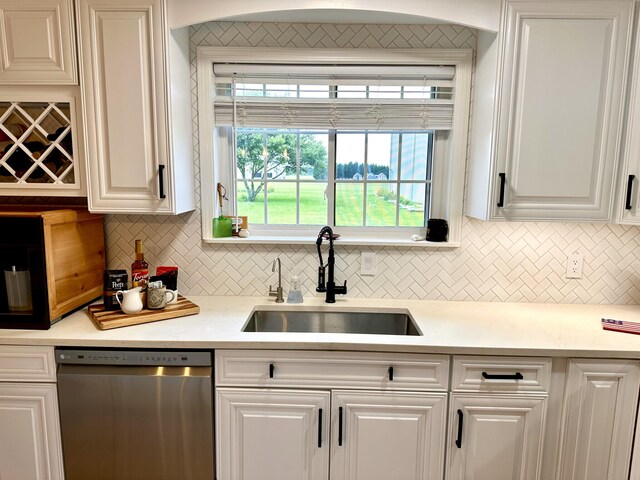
(278, 292)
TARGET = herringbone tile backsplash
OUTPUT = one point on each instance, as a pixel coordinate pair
(516, 262)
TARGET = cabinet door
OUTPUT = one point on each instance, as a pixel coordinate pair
(272, 434)
(559, 123)
(495, 437)
(30, 432)
(382, 436)
(124, 89)
(37, 42)
(629, 182)
(599, 414)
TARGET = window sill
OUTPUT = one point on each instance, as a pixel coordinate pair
(311, 240)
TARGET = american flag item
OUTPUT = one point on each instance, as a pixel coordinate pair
(621, 326)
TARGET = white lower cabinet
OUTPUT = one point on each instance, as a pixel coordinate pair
(31, 446)
(376, 416)
(330, 415)
(382, 435)
(495, 437)
(497, 417)
(29, 432)
(272, 434)
(598, 420)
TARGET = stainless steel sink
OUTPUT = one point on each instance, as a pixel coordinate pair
(375, 323)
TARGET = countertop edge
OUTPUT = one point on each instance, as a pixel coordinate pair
(449, 327)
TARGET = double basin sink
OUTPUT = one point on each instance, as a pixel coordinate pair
(301, 321)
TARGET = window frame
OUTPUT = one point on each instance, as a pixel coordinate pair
(214, 145)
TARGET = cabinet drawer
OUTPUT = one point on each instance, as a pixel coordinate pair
(500, 374)
(28, 364)
(331, 369)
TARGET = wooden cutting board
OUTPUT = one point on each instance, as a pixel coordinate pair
(108, 319)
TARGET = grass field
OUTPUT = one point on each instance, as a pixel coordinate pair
(281, 206)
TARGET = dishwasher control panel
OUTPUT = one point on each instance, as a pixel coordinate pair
(132, 357)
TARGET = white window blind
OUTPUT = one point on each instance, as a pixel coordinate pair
(347, 97)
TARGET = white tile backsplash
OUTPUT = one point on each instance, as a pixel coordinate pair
(497, 261)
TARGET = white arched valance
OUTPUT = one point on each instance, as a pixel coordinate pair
(481, 14)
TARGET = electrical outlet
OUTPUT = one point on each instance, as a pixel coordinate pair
(368, 263)
(574, 266)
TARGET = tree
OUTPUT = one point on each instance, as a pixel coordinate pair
(279, 150)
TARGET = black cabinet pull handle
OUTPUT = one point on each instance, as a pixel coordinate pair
(391, 374)
(460, 420)
(161, 180)
(515, 376)
(320, 428)
(271, 369)
(629, 190)
(339, 426)
(503, 180)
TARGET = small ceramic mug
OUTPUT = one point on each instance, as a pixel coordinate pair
(157, 298)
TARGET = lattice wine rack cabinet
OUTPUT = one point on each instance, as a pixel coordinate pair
(39, 149)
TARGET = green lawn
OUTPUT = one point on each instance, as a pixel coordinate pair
(281, 206)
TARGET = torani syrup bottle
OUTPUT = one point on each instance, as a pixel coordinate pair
(139, 268)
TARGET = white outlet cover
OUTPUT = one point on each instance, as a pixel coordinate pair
(368, 263)
(574, 265)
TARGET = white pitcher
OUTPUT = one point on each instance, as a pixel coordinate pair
(131, 301)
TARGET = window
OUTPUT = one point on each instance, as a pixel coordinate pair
(283, 177)
(372, 143)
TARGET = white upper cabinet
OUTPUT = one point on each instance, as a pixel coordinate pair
(136, 90)
(41, 126)
(629, 182)
(547, 111)
(37, 42)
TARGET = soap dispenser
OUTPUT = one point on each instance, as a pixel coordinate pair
(295, 294)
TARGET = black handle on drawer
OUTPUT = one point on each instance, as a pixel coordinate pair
(271, 369)
(459, 437)
(627, 205)
(515, 376)
(161, 180)
(391, 374)
(503, 181)
(339, 426)
(320, 428)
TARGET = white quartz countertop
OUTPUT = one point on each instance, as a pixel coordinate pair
(447, 327)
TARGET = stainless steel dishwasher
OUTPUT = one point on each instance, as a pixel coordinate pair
(136, 415)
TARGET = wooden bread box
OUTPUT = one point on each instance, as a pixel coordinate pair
(74, 253)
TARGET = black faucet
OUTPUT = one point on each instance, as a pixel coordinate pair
(331, 288)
